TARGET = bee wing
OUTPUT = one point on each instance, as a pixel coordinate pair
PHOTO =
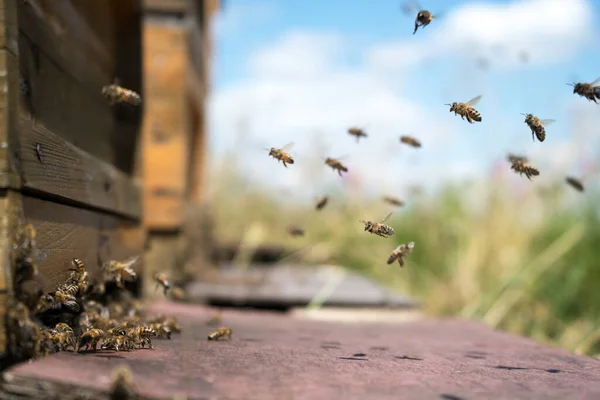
(596, 82)
(287, 147)
(129, 262)
(545, 122)
(408, 7)
(386, 218)
(473, 102)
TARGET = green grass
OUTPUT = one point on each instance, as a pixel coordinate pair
(524, 262)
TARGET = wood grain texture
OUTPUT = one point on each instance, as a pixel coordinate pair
(165, 134)
(8, 26)
(9, 80)
(54, 166)
(60, 103)
(170, 6)
(60, 30)
(65, 232)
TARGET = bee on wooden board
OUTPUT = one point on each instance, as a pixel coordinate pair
(162, 280)
(357, 132)
(411, 141)
(590, 91)
(141, 335)
(575, 183)
(79, 275)
(400, 252)
(336, 165)
(321, 203)
(466, 110)
(120, 271)
(515, 158)
(521, 167)
(295, 231)
(379, 228)
(117, 94)
(63, 340)
(537, 126)
(282, 155)
(393, 201)
(221, 333)
(90, 339)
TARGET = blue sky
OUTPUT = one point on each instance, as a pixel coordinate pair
(299, 50)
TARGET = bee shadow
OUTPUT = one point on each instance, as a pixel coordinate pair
(408, 358)
(353, 359)
(447, 396)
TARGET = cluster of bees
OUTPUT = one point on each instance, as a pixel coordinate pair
(81, 313)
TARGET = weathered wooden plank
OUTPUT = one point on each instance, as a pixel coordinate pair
(9, 80)
(63, 34)
(54, 166)
(8, 25)
(165, 134)
(64, 232)
(62, 105)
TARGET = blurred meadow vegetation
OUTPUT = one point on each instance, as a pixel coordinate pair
(522, 261)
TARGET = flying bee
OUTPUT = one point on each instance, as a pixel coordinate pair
(322, 202)
(79, 275)
(24, 253)
(522, 167)
(393, 201)
(162, 280)
(400, 252)
(466, 110)
(117, 94)
(122, 383)
(512, 158)
(378, 228)
(120, 271)
(215, 319)
(222, 332)
(357, 132)
(24, 335)
(411, 141)
(282, 155)
(336, 165)
(590, 91)
(423, 18)
(296, 231)
(537, 126)
(575, 183)
(90, 339)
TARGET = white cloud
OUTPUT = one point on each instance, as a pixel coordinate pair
(548, 30)
(299, 85)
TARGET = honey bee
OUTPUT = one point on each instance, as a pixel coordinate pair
(423, 18)
(90, 339)
(122, 383)
(357, 132)
(411, 141)
(120, 271)
(79, 275)
(282, 155)
(590, 91)
(83, 322)
(336, 165)
(24, 249)
(522, 167)
(399, 253)
(24, 335)
(176, 293)
(393, 201)
(162, 280)
(63, 298)
(537, 126)
(47, 344)
(61, 327)
(162, 330)
(63, 340)
(466, 109)
(170, 322)
(117, 342)
(378, 228)
(575, 183)
(322, 202)
(222, 332)
(141, 335)
(512, 158)
(296, 231)
(116, 94)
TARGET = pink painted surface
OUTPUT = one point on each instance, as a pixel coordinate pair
(274, 356)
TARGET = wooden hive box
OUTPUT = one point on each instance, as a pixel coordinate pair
(176, 55)
(67, 158)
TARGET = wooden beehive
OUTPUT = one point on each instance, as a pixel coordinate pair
(176, 73)
(67, 158)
